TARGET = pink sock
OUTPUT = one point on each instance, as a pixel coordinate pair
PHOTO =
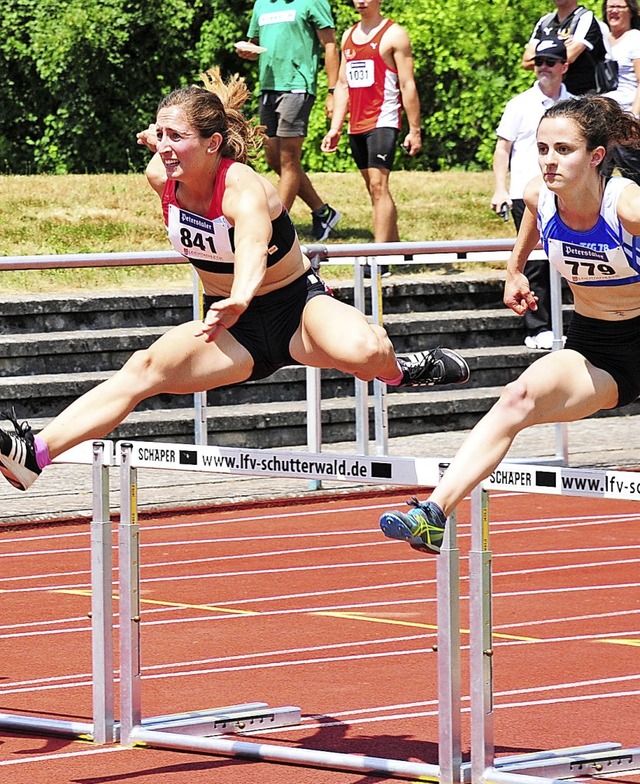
(393, 382)
(42, 452)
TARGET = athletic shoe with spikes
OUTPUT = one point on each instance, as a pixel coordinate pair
(426, 368)
(422, 527)
(17, 454)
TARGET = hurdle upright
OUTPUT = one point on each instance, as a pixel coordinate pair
(99, 454)
(545, 766)
(201, 730)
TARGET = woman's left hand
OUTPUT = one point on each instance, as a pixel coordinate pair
(221, 315)
(517, 294)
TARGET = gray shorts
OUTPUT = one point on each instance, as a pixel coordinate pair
(285, 114)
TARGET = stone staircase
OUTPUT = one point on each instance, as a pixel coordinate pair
(53, 348)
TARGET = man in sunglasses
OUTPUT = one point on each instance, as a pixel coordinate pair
(516, 152)
(585, 37)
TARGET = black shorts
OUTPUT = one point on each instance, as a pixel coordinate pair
(375, 149)
(266, 327)
(613, 346)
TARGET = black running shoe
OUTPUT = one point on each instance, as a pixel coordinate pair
(422, 527)
(324, 223)
(426, 368)
(17, 454)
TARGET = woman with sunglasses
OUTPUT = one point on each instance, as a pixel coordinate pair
(589, 226)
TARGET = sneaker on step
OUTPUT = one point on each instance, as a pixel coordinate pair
(426, 368)
(422, 527)
(18, 455)
(543, 341)
(323, 223)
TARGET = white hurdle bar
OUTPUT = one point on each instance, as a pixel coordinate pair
(542, 767)
(99, 454)
(194, 731)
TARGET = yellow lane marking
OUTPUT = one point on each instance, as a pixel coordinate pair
(394, 622)
(518, 637)
(179, 605)
(635, 643)
(336, 614)
(359, 617)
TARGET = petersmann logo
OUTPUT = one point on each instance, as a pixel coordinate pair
(579, 252)
(196, 221)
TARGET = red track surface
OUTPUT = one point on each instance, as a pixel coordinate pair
(309, 605)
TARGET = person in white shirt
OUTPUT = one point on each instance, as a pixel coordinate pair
(516, 156)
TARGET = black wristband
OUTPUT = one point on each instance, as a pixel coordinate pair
(331, 90)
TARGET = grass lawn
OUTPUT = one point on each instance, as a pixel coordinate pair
(106, 213)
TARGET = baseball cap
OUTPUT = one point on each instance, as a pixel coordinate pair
(553, 48)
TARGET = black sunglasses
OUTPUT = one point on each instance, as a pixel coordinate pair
(546, 61)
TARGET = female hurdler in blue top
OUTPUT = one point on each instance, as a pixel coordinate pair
(265, 307)
(589, 226)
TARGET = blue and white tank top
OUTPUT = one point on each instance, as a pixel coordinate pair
(606, 255)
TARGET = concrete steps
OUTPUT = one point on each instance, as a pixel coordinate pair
(54, 349)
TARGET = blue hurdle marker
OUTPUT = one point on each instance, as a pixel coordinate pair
(99, 454)
(197, 733)
(542, 767)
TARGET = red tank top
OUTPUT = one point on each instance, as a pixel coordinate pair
(215, 207)
(374, 94)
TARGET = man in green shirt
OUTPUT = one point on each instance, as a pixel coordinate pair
(287, 36)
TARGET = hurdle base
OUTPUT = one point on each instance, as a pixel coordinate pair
(235, 719)
(33, 725)
(593, 760)
(264, 752)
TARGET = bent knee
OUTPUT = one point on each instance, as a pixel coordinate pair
(515, 400)
(368, 349)
(141, 369)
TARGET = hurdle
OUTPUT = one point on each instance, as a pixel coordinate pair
(99, 454)
(200, 730)
(545, 766)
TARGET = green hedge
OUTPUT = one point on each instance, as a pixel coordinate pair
(80, 77)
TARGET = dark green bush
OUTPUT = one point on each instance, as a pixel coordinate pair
(80, 77)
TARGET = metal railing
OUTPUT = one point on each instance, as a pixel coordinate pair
(358, 255)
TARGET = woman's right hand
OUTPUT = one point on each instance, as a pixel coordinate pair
(517, 294)
(148, 138)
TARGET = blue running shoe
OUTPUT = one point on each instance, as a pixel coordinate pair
(422, 527)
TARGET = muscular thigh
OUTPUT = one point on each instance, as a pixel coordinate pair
(329, 333)
(564, 387)
(181, 363)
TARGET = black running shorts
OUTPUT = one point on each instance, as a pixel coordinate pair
(375, 149)
(266, 327)
(613, 346)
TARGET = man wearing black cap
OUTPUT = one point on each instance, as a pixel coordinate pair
(583, 36)
(516, 152)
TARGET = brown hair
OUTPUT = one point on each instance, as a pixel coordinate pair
(632, 5)
(216, 108)
(601, 120)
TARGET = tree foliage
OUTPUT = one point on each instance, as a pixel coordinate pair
(81, 77)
